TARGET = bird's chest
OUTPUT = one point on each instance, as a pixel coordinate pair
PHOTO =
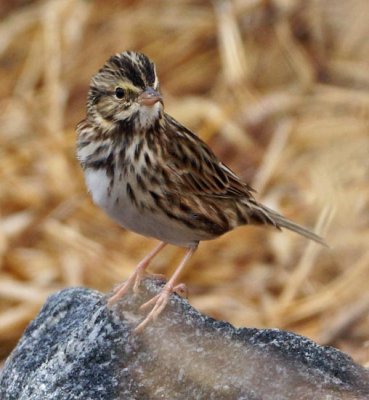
(117, 201)
(113, 187)
(118, 197)
(118, 190)
(124, 191)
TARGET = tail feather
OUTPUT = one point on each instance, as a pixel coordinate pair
(273, 218)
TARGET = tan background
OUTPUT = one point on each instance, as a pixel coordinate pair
(279, 89)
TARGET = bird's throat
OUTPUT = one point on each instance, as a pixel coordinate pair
(148, 115)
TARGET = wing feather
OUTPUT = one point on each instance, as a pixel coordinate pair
(196, 169)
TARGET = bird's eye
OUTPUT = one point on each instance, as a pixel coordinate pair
(119, 93)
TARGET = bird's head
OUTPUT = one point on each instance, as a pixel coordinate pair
(126, 89)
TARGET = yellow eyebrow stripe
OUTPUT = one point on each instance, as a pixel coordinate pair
(128, 86)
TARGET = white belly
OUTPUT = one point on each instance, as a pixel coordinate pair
(124, 212)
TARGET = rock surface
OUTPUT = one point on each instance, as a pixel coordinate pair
(79, 349)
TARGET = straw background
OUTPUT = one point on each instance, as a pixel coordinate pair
(280, 91)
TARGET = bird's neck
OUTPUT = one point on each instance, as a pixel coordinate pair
(149, 116)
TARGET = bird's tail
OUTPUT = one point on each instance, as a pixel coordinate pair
(266, 215)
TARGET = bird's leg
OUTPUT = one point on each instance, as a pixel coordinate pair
(160, 300)
(134, 280)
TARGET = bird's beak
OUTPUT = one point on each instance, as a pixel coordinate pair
(149, 97)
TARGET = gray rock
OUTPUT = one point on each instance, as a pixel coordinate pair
(79, 349)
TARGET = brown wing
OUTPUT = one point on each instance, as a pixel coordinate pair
(193, 169)
(197, 170)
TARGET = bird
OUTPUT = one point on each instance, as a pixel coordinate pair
(155, 177)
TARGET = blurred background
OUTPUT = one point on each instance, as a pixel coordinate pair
(280, 91)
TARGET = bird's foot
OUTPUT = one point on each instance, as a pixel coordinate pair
(182, 290)
(159, 302)
(132, 283)
(124, 288)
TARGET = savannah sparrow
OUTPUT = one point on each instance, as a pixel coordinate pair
(154, 176)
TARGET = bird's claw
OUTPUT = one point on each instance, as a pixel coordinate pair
(159, 301)
(133, 282)
(181, 289)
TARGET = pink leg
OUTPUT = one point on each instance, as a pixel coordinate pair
(160, 300)
(134, 280)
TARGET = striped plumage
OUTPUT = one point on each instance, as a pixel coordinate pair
(154, 176)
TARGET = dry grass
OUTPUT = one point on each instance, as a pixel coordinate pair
(279, 89)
